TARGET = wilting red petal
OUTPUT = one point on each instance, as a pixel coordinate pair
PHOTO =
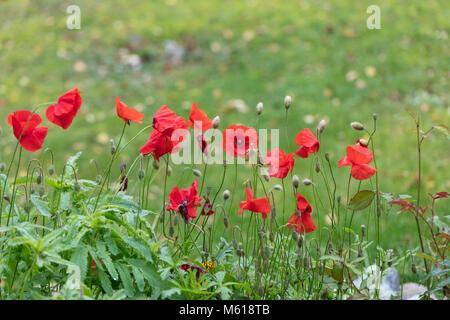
(362, 171)
(260, 205)
(166, 121)
(63, 112)
(159, 145)
(126, 113)
(237, 140)
(308, 142)
(198, 119)
(359, 155)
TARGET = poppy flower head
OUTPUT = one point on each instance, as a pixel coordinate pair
(166, 121)
(238, 139)
(126, 113)
(358, 157)
(301, 220)
(261, 205)
(279, 162)
(185, 201)
(158, 144)
(25, 127)
(63, 112)
(202, 144)
(207, 208)
(198, 119)
(308, 142)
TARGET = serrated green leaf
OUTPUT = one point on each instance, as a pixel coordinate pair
(106, 283)
(104, 255)
(126, 279)
(80, 258)
(42, 206)
(140, 281)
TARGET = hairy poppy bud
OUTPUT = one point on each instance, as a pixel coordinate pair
(287, 101)
(169, 171)
(113, 146)
(171, 231)
(307, 182)
(51, 170)
(413, 268)
(300, 241)
(216, 122)
(27, 206)
(363, 142)
(155, 164)
(175, 220)
(226, 222)
(141, 174)
(327, 157)
(2, 167)
(196, 173)
(226, 195)
(317, 166)
(259, 108)
(295, 236)
(99, 179)
(375, 116)
(295, 181)
(363, 230)
(39, 179)
(265, 175)
(357, 125)
(321, 126)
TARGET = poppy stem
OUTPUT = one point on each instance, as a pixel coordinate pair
(13, 196)
(6, 180)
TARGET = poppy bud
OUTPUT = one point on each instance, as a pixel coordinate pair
(196, 173)
(300, 241)
(363, 142)
(113, 146)
(287, 101)
(216, 122)
(39, 179)
(375, 116)
(413, 268)
(363, 230)
(175, 220)
(261, 160)
(295, 236)
(169, 171)
(295, 181)
(226, 222)
(265, 175)
(357, 126)
(306, 262)
(171, 231)
(226, 195)
(317, 166)
(27, 206)
(327, 157)
(141, 174)
(2, 167)
(359, 252)
(278, 187)
(259, 108)
(322, 125)
(307, 182)
(51, 170)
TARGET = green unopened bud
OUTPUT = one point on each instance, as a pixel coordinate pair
(175, 219)
(2, 167)
(27, 206)
(216, 122)
(295, 236)
(196, 173)
(155, 164)
(51, 170)
(113, 146)
(357, 126)
(363, 230)
(169, 171)
(226, 195)
(141, 174)
(287, 101)
(171, 231)
(39, 179)
(307, 182)
(327, 157)
(259, 108)
(226, 222)
(306, 262)
(413, 268)
(317, 166)
(295, 181)
(322, 125)
(300, 241)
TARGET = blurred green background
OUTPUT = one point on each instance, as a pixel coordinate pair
(227, 56)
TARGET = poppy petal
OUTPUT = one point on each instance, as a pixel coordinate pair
(362, 171)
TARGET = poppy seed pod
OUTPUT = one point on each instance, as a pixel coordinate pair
(322, 125)
(2, 167)
(357, 126)
(307, 182)
(295, 181)
(216, 122)
(287, 101)
(51, 170)
(196, 173)
(113, 146)
(259, 108)
(226, 195)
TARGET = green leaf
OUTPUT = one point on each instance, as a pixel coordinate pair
(104, 255)
(361, 200)
(42, 206)
(424, 256)
(126, 279)
(106, 283)
(80, 258)
(140, 281)
(443, 129)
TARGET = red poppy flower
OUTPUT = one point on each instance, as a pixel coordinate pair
(279, 162)
(166, 121)
(202, 144)
(198, 119)
(63, 113)
(159, 145)
(185, 201)
(187, 266)
(260, 205)
(304, 223)
(237, 140)
(126, 113)
(207, 208)
(25, 129)
(358, 157)
(308, 142)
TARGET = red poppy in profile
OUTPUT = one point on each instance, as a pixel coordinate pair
(202, 144)
(166, 121)
(63, 113)
(308, 142)
(159, 145)
(358, 157)
(198, 119)
(303, 223)
(237, 140)
(260, 205)
(279, 162)
(25, 129)
(185, 201)
(126, 113)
